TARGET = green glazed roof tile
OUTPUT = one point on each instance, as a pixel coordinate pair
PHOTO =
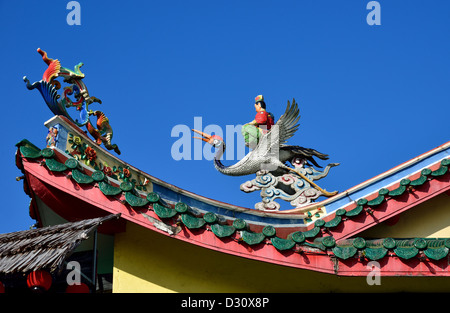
(344, 253)
(401, 189)
(436, 253)
(98, 176)
(26, 143)
(426, 171)
(30, 153)
(440, 171)
(81, 178)
(126, 186)
(333, 223)
(420, 243)
(419, 181)
(282, 244)
(109, 190)
(406, 249)
(447, 242)
(47, 153)
(359, 243)
(181, 207)
(362, 202)
(398, 191)
(389, 243)
(239, 224)
(298, 237)
(269, 231)
(319, 223)
(375, 253)
(163, 212)
(435, 243)
(312, 232)
(192, 222)
(210, 218)
(340, 212)
(355, 211)
(377, 201)
(222, 231)
(405, 182)
(328, 241)
(252, 238)
(55, 166)
(153, 197)
(406, 253)
(134, 200)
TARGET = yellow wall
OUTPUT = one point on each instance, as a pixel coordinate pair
(146, 261)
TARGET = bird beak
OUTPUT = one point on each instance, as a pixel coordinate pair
(205, 137)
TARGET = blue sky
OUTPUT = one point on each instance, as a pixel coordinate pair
(371, 97)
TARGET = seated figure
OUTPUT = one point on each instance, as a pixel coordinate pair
(259, 126)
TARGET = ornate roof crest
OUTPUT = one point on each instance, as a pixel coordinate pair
(48, 86)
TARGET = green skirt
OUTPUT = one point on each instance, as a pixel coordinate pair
(251, 134)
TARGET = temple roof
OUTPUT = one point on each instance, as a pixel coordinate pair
(325, 229)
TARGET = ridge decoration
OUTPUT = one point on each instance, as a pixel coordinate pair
(48, 86)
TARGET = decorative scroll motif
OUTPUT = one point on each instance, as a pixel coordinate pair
(48, 86)
(289, 187)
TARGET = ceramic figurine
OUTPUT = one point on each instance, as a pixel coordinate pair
(51, 137)
(262, 123)
(48, 86)
(271, 153)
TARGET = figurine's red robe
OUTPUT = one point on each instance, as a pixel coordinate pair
(264, 118)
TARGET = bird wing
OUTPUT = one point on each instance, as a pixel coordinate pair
(54, 67)
(288, 122)
(52, 71)
(305, 153)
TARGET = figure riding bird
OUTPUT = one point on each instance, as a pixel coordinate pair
(271, 152)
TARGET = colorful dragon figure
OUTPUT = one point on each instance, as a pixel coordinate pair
(48, 86)
(103, 133)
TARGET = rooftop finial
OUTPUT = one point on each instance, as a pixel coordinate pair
(48, 86)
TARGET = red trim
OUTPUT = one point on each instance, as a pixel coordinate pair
(69, 207)
(395, 266)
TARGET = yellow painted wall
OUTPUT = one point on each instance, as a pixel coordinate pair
(146, 261)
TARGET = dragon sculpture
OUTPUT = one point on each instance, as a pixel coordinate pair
(48, 86)
(103, 133)
(268, 160)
